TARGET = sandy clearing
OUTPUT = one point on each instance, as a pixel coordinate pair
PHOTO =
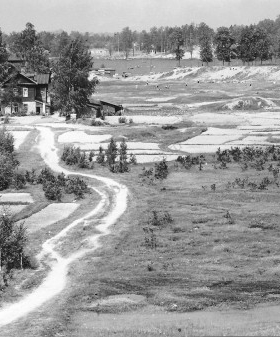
(55, 281)
(146, 158)
(16, 197)
(147, 119)
(19, 137)
(81, 137)
(12, 209)
(196, 105)
(218, 119)
(220, 131)
(161, 99)
(199, 148)
(253, 140)
(130, 146)
(50, 215)
(210, 139)
(147, 151)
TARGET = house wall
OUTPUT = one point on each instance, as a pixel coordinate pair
(31, 107)
(31, 94)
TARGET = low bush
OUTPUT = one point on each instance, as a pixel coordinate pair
(19, 180)
(122, 120)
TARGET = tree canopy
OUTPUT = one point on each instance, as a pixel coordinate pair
(71, 85)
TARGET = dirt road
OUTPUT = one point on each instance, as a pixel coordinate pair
(55, 281)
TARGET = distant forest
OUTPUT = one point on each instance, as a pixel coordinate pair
(247, 43)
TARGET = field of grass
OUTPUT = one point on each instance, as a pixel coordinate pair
(220, 253)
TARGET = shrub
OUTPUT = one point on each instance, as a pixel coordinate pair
(111, 153)
(71, 155)
(122, 120)
(6, 141)
(52, 191)
(76, 186)
(90, 156)
(45, 176)
(30, 177)
(132, 159)
(130, 121)
(13, 240)
(100, 159)
(7, 167)
(19, 180)
(82, 161)
(160, 219)
(161, 170)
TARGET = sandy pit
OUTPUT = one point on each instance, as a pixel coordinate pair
(11, 209)
(19, 137)
(24, 198)
(81, 137)
(49, 215)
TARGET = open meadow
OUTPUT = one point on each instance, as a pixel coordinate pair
(197, 249)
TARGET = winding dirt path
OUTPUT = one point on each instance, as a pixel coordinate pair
(55, 281)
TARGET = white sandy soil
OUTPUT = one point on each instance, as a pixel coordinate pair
(16, 197)
(49, 215)
(81, 137)
(19, 137)
(55, 282)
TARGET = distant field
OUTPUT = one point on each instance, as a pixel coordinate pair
(144, 66)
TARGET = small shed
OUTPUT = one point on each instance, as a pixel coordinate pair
(104, 108)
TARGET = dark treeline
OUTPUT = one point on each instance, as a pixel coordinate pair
(247, 43)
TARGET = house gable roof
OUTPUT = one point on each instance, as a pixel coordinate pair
(29, 79)
(21, 79)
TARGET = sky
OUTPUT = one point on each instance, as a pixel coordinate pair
(113, 15)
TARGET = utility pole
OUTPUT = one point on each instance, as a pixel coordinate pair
(118, 39)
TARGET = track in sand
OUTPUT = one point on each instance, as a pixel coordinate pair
(55, 281)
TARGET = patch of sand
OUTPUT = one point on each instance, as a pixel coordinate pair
(12, 209)
(81, 137)
(161, 99)
(147, 119)
(218, 119)
(155, 158)
(19, 137)
(130, 146)
(16, 197)
(199, 148)
(50, 215)
(210, 139)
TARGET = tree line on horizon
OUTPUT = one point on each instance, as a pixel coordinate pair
(260, 41)
(68, 55)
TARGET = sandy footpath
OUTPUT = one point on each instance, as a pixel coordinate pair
(56, 279)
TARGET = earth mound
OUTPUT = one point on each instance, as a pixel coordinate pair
(248, 103)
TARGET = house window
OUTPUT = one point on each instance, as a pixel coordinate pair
(15, 109)
(25, 92)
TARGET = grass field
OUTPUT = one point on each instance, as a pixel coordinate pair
(213, 269)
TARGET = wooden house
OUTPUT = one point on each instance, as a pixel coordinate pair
(33, 90)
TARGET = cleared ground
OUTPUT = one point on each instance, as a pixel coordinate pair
(214, 269)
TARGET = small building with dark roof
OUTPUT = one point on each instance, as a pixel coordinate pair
(104, 108)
